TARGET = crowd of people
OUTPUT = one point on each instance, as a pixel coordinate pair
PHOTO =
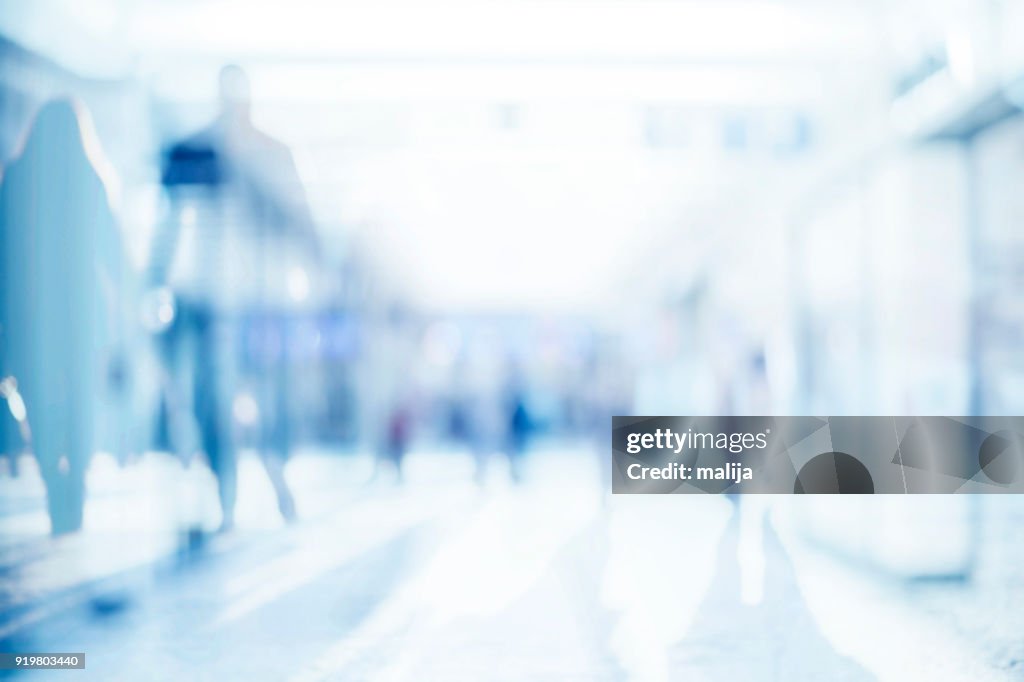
(235, 207)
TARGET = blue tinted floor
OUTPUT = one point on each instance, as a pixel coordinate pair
(439, 579)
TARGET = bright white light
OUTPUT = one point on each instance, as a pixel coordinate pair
(9, 390)
(442, 343)
(960, 52)
(158, 309)
(486, 82)
(245, 409)
(17, 406)
(188, 216)
(298, 284)
(500, 28)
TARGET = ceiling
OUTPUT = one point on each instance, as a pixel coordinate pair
(493, 151)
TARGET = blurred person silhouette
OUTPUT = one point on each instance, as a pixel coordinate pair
(63, 265)
(487, 417)
(483, 374)
(399, 433)
(458, 427)
(518, 430)
(754, 397)
(388, 403)
(237, 200)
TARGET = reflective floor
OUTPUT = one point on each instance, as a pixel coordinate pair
(438, 578)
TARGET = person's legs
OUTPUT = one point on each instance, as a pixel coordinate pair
(274, 431)
(275, 471)
(64, 483)
(80, 448)
(481, 456)
(214, 432)
(174, 410)
(394, 454)
(281, 441)
(218, 450)
(399, 457)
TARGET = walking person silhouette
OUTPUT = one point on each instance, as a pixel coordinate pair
(237, 189)
(62, 262)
